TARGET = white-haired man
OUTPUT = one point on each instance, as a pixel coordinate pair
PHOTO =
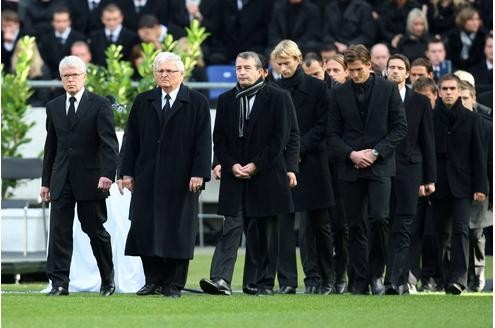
(166, 160)
(79, 164)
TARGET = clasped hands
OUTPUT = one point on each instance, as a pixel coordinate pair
(363, 158)
(243, 172)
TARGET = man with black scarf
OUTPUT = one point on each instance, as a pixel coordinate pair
(249, 139)
(461, 179)
(313, 195)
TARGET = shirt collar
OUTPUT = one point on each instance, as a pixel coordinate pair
(64, 35)
(489, 65)
(163, 33)
(173, 96)
(115, 33)
(402, 92)
(78, 97)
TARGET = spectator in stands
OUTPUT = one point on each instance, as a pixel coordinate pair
(390, 17)
(296, 20)
(413, 42)
(112, 33)
(327, 50)
(86, 15)
(465, 43)
(236, 26)
(435, 52)
(348, 22)
(421, 67)
(379, 57)
(441, 15)
(483, 72)
(337, 69)
(56, 45)
(38, 17)
(11, 33)
(481, 212)
(81, 49)
(151, 31)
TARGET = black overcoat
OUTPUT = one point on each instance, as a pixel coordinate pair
(162, 160)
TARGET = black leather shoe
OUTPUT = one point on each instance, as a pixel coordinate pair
(394, 290)
(287, 290)
(250, 289)
(311, 290)
(325, 290)
(339, 287)
(454, 289)
(215, 287)
(377, 287)
(58, 291)
(265, 292)
(170, 292)
(149, 289)
(107, 290)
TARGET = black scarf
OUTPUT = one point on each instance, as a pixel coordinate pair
(293, 82)
(244, 95)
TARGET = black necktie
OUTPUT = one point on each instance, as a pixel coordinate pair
(166, 107)
(110, 38)
(71, 114)
(93, 5)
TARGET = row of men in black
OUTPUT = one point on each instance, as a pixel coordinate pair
(363, 136)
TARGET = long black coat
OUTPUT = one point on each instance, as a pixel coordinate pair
(85, 151)
(314, 189)
(162, 160)
(384, 128)
(267, 192)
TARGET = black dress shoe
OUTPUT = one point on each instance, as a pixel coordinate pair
(394, 290)
(170, 292)
(250, 289)
(339, 287)
(58, 291)
(377, 287)
(215, 287)
(149, 289)
(265, 292)
(107, 290)
(286, 290)
(454, 289)
(325, 290)
(311, 290)
(360, 291)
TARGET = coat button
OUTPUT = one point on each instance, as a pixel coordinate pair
(158, 141)
(449, 132)
(70, 149)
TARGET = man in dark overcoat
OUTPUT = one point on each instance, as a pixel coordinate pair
(166, 160)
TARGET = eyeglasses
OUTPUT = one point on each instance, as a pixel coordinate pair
(68, 76)
(168, 71)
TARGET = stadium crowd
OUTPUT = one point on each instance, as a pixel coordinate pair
(389, 203)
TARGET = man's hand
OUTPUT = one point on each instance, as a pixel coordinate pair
(429, 188)
(362, 158)
(120, 185)
(292, 179)
(45, 194)
(217, 171)
(195, 184)
(422, 191)
(479, 196)
(249, 168)
(104, 183)
(128, 182)
(238, 172)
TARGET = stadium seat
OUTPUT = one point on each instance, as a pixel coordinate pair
(219, 74)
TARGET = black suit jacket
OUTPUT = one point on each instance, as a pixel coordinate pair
(84, 152)
(7, 55)
(267, 192)
(419, 145)
(461, 169)
(83, 19)
(384, 128)
(99, 43)
(53, 53)
(483, 77)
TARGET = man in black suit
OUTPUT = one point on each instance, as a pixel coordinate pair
(367, 123)
(415, 175)
(461, 178)
(165, 165)
(314, 194)
(11, 33)
(483, 72)
(249, 138)
(55, 45)
(85, 15)
(112, 33)
(79, 165)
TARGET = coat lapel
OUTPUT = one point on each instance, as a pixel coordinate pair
(182, 97)
(83, 107)
(156, 101)
(460, 116)
(256, 110)
(373, 100)
(349, 95)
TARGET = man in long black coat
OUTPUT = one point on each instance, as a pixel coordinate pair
(314, 194)
(461, 174)
(250, 134)
(367, 123)
(165, 162)
(416, 174)
(80, 159)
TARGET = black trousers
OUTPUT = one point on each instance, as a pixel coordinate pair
(477, 243)
(404, 202)
(92, 215)
(315, 227)
(364, 193)
(452, 232)
(307, 249)
(340, 231)
(287, 262)
(165, 272)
